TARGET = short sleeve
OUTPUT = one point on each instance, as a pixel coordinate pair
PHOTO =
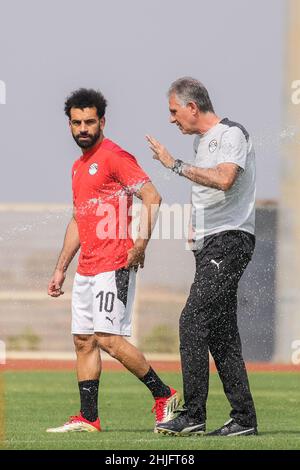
(126, 170)
(196, 145)
(233, 148)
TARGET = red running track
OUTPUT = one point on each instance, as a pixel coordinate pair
(164, 366)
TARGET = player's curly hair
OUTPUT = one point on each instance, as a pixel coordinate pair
(86, 98)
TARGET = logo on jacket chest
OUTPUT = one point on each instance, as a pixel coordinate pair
(213, 144)
(93, 169)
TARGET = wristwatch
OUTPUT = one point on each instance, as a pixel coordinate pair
(178, 167)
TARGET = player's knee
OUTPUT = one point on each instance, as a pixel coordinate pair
(85, 343)
(109, 344)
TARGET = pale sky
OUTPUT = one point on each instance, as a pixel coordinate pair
(132, 50)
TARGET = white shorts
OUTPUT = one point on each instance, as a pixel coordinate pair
(103, 303)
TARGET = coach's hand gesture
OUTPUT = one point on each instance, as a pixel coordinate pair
(56, 282)
(160, 152)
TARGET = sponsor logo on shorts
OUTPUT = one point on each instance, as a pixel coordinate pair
(217, 264)
(110, 319)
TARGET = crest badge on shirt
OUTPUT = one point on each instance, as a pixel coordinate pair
(93, 168)
(213, 144)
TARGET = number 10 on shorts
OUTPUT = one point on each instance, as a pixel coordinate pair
(106, 301)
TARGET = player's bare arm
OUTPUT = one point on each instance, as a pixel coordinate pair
(150, 207)
(70, 247)
(220, 177)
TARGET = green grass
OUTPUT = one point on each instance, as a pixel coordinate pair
(37, 400)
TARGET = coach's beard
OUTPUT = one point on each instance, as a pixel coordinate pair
(86, 140)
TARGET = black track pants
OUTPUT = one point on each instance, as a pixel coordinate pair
(209, 323)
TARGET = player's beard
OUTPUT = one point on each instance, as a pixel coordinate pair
(89, 142)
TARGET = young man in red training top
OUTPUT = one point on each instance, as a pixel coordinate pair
(104, 180)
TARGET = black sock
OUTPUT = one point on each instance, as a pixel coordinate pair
(155, 385)
(89, 399)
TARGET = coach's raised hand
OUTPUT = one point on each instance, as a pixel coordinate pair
(160, 152)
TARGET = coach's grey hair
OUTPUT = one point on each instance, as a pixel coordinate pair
(188, 89)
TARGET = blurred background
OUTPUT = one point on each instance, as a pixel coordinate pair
(246, 53)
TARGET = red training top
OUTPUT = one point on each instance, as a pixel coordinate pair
(103, 182)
